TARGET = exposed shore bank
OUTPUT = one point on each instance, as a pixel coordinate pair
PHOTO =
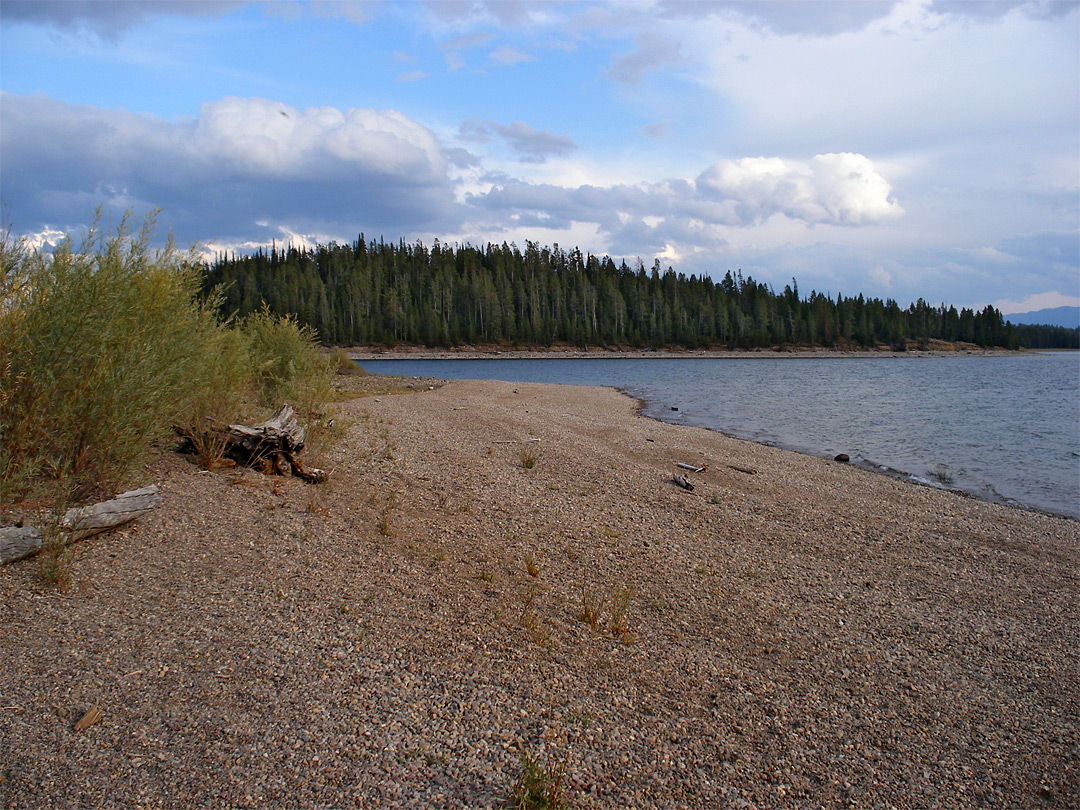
(568, 352)
(796, 632)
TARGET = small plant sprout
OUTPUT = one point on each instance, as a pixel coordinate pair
(620, 604)
(590, 607)
(540, 786)
(530, 619)
(531, 565)
(528, 458)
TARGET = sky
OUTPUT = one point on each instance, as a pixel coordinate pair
(899, 149)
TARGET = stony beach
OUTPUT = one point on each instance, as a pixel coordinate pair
(500, 569)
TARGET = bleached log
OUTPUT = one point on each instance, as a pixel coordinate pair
(682, 482)
(17, 542)
(690, 467)
(79, 522)
(281, 432)
(84, 521)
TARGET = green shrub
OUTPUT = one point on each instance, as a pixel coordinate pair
(287, 363)
(220, 384)
(539, 786)
(96, 360)
(105, 347)
(346, 365)
(288, 366)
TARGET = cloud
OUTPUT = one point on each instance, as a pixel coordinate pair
(109, 18)
(824, 17)
(466, 41)
(654, 131)
(462, 13)
(653, 51)
(508, 56)
(355, 11)
(1036, 9)
(835, 189)
(411, 76)
(1033, 303)
(880, 89)
(531, 145)
(534, 144)
(242, 161)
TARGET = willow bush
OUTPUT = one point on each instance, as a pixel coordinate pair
(96, 358)
(104, 347)
(288, 366)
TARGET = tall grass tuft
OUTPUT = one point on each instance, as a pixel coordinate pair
(287, 363)
(540, 785)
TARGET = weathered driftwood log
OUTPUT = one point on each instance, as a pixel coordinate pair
(87, 520)
(280, 433)
(692, 467)
(80, 522)
(272, 446)
(682, 482)
(17, 542)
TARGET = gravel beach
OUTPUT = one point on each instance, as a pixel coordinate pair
(792, 633)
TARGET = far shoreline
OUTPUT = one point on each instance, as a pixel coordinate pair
(565, 352)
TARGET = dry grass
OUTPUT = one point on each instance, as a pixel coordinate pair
(540, 785)
(591, 607)
(620, 605)
(531, 566)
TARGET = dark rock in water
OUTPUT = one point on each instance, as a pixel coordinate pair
(842, 458)
(674, 408)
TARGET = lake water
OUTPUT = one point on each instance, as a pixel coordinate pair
(1003, 428)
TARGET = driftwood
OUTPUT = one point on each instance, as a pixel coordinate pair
(682, 482)
(79, 522)
(93, 715)
(271, 446)
(691, 467)
(746, 470)
(17, 542)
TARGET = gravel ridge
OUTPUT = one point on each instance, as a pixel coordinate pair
(797, 633)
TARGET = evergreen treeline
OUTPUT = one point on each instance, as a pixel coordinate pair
(385, 293)
(1048, 337)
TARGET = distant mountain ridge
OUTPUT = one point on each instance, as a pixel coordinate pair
(1069, 317)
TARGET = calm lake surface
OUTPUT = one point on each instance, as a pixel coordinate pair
(1005, 428)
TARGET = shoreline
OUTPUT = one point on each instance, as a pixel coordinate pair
(985, 493)
(878, 469)
(566, 351)
(794, 632)
(361, 354)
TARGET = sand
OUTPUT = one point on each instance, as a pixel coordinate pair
(792, 633)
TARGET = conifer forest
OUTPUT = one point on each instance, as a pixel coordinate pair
(382, 293)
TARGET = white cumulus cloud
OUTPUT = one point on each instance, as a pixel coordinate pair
(835, 189)
(240, 163)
